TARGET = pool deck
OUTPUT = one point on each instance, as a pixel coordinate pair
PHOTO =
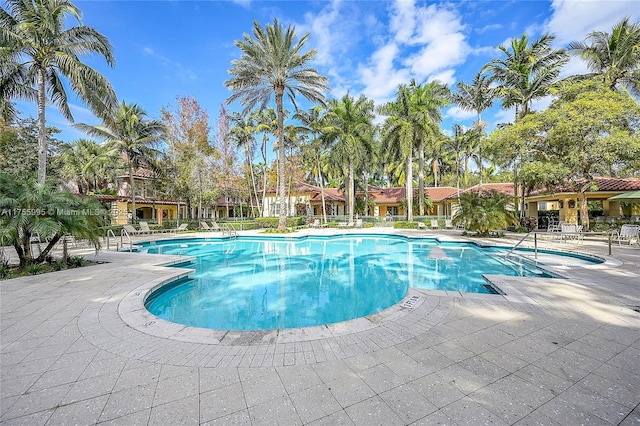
(77, 348)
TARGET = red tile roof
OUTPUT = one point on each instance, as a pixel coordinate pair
(504, 188)
(602, 183)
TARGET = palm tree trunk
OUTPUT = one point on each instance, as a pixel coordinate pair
(421, 178)
(133, 193)
(324, 207)
(409, 185)
(42, 129)
(282, 222)
(253, 182)
(351, 192)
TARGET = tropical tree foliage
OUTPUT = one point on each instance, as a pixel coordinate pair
(527, 71)
(37, 51)
(129, 132)
(29, 209)
(272, 65)
(90, 165)
(484, 211)
(477, 97)
(614, 56)
(587, 131)
(350, 136)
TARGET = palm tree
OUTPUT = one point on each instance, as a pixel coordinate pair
(399, 134)
(477, 97)
(456, 145)
(314, 123)
(59, 213)
(37, 51)
(131, 134)
(243, 133)
(527, 72)
(427, 102)
(89, 164)
(272, 64)
(484, 211)
(615, 56)
(350, 134)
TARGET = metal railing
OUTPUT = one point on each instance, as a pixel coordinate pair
(124, 233)
(228, 229)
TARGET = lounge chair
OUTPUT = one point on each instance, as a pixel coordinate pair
(421, 225)
(144, 228)
(182, 227)
(448, 224)
(316, 224)
(215, 226)
(629, 233)
(131, 231)
(345, 224)
(205, 226)
(434, 224)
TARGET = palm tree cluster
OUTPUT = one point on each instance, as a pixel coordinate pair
(335, 143)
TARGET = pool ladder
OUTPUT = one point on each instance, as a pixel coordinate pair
(226, 228)
(535, 244)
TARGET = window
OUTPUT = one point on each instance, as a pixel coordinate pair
(392, 210)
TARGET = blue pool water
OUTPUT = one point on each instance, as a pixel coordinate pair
(252, 283)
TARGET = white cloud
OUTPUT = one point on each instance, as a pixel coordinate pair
(573, 20)
(458, 113)
(490, 27)
(424, 43)
(504, 116)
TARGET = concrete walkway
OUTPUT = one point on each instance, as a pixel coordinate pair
(78, 349)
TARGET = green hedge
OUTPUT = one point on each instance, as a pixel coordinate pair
(272, 222)
(405, 225)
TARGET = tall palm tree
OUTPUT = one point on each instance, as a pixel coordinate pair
(314, 123)
(527, 72)
(243, 133)
(456, 146)
(272, 64)
(350, 134)
(427, 102)
(266, 123)
(399, 134)
(131, 134)
(615, 56)
(478, 96)
(37, 51)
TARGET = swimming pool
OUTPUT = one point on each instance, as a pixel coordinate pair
(254, 283)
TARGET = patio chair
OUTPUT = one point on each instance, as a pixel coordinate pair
(570, 231)
(434, 224)
(421, 225)
(448, 224)
(131, 231)
(629, 233)
(215, 226)
(205, 226)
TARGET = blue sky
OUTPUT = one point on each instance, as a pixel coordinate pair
(165, 49)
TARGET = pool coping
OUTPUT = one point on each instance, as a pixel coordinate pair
(133, 312)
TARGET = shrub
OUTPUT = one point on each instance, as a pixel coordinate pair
(58, 265)
(405, 225)
(75, 262)
(34, 269)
